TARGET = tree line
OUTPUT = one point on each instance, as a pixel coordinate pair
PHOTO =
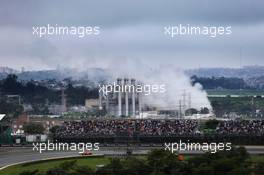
(161, 162)
(220, 82)
(39, 96)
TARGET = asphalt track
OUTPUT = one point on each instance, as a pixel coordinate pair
(13, 155)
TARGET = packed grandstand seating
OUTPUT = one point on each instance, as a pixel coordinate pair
(241, 127)
(116, 127)
(147, 127)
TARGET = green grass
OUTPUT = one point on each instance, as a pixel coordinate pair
(234, 92)
(257, 158)
(45, 165)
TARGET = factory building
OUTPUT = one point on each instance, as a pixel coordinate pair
(123, 100)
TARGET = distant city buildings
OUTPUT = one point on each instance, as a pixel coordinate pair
(91, 103)
(46, 121)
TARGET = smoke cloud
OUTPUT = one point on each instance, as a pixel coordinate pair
(178, 85)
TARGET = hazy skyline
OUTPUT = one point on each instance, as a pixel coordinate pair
(131, 31)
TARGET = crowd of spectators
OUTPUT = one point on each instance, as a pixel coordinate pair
(94, 128)
(168, 127)
(128, 127)
(241, 127)
(147, 127)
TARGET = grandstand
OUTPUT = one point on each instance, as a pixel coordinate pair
(153, 130)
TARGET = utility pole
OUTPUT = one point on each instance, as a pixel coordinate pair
(190, 101)
(184, 101)
(63, 101)
(180, 109)
(253, 106)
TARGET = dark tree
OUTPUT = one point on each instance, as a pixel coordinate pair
(33, 128)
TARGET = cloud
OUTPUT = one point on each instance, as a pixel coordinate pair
(132, 42)
(119, 12)
(132, 30)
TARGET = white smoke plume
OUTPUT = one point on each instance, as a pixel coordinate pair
(178, 85)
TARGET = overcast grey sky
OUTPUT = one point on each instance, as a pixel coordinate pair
(131, 30)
